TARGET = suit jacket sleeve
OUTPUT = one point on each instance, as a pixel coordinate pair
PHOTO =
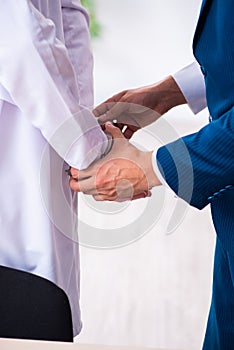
(200, 165)
(36, 70)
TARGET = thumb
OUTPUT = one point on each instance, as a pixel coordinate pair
(114, 131)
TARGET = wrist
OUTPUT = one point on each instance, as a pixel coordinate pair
(153, 180)
(170, 95)
(146, 164)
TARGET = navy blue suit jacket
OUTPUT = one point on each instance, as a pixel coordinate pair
(200, 167)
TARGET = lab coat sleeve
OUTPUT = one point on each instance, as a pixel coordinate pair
(36, 70)
(77, 41)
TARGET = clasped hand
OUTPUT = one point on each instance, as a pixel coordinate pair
(125, 173)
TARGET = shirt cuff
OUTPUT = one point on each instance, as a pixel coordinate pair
(191, 82)
(80, 140)
(89, 148)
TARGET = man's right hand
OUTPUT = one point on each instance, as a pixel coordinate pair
(125, 173)
(137, 108)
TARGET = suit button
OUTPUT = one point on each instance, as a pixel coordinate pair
(229, 187)
(216, 194)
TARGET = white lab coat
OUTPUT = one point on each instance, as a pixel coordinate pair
(43, 84)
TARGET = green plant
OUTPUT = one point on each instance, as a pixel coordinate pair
(95, 27)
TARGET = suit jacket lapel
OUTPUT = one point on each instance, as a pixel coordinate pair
(203, 13)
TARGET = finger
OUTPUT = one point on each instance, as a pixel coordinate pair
(89, 172)
(114, 110)
(130, 131)
(144, 194)
(119, 125)
(87, 186)
(137, 196)
(104, 197)
(113, 130)
(74, 184)
(148, 193)
(104, 107)
(101, 198)
(80, 174)
(101, 109)
(74, 173)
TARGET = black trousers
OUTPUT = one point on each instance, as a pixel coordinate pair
(32, 307)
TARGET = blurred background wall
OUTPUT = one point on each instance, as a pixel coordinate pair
(142, 285)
